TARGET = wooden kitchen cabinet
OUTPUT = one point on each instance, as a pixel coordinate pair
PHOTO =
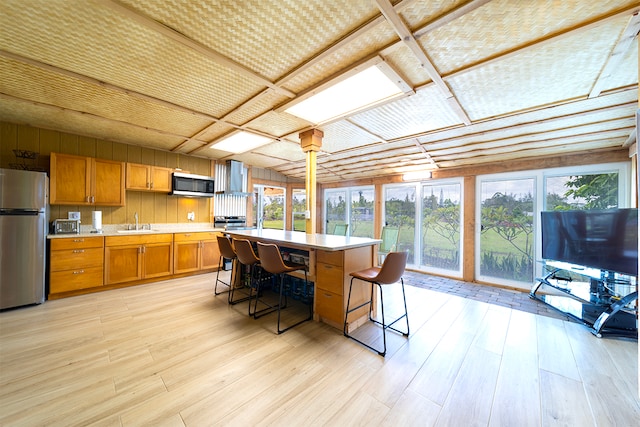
(195, 251)
(131, 258)
(75, 263)
(78, 180)
(148, 178)
(332, 283)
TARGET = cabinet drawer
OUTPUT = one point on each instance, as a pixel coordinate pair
(76, 258)
(190, 237)
(76, 243)
(330, 257)
(329, 306)
(78, 278)
(330, 278)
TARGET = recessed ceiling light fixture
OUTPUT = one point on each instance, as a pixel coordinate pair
(367, 85)
(241, 142)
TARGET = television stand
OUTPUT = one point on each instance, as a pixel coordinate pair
(604, 301)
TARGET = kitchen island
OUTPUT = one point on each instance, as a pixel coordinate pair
(330, 259)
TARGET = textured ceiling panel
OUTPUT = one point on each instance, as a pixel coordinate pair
(344, 135)
(57, 90)
(364, 46)
(301, 28)
(501, 25)
(90, 39)
(426, 110)
(550, 73)
(83, 124)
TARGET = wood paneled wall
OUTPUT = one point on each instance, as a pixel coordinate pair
(152, 208)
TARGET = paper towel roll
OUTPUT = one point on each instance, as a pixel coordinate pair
(97, 220)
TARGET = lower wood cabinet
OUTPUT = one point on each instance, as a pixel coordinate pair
(195, 251)
(75, 263)
(332, 283)
(131, 258)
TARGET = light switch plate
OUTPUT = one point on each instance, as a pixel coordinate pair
(73, 215)
(191, 216)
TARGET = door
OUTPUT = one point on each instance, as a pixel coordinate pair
(269, 207)
(70, 179)
(158, 259)
(122, 264)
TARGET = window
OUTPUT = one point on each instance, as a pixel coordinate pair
(441, 227)
(430, 225)
(508, 213)
(353, 206)
(298, 207)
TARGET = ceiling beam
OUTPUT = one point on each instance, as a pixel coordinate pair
(411, 42)
(617, 54)
(192, 44)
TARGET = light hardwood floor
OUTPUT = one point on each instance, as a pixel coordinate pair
(172, 354)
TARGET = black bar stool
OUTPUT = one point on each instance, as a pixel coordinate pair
(272, 262)
(389, 273)
(246, 256)
(226, 251)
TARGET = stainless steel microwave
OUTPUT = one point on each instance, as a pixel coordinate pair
(187, 184)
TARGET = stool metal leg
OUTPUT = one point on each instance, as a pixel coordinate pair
(383, 323)
(215, 288)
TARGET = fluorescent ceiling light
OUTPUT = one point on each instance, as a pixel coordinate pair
(416, 176)
(371, 86)
(241, 142)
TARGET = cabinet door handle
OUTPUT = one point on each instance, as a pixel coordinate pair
(78, 251)
(151, 185)
(78, 272)
(88, 199)
(78, 240)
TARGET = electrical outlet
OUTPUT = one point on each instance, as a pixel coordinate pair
(191, 216)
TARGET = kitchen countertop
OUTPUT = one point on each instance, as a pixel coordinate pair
(113, 230)
(299, 239)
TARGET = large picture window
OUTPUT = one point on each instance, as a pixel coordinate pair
(508, 213)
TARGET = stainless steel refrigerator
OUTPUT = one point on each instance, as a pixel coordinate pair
(24, 199)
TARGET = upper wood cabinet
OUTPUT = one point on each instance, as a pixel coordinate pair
(78, 180)
(148, 178)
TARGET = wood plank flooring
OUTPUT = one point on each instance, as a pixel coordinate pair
(173, 354)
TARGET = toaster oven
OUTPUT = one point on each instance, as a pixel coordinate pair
(66, 226)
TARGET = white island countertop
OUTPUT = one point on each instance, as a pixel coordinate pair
(301, 240)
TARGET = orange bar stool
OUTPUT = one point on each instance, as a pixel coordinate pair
(272, 262)
(389, 273)
(247, 257)
(226, 251)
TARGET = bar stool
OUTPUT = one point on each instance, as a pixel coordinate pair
(246, 256)
(226, 251)
(272, 262)
(389, 273)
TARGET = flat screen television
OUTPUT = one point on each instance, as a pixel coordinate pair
(602, 239)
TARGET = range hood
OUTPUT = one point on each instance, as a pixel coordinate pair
(235, 176)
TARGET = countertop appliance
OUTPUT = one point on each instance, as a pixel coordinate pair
(230, 222)
(66, 226)
(24, 199)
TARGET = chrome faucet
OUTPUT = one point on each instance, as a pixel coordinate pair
(135, 215)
